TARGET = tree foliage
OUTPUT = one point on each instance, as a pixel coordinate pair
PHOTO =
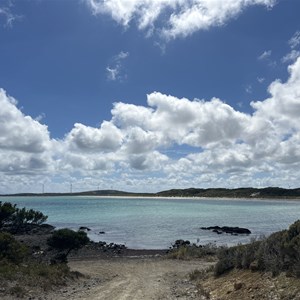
(11, 249)
(11, 215)
(280, 252)
(67, 240)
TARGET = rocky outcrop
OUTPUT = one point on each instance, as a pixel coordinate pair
(180, 243)
(227, 229)
(84, 228)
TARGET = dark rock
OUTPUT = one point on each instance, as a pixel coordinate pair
(227, 229)
(84, 228)
(179, 243)
(101, 232)
(254, 266)
(238, 285)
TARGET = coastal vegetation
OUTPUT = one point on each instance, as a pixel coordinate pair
(185, 250)
(24, 264)
(65, 240)
(268, 268)
(15, 219)
(248, 192)
(278, 253)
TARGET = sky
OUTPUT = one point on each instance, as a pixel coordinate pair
(149, 95)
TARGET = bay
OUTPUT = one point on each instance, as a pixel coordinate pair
(155, 223)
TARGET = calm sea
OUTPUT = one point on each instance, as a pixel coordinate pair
(155, 223)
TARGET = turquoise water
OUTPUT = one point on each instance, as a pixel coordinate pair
(156, 223)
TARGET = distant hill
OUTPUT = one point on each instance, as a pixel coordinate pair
(269, 192)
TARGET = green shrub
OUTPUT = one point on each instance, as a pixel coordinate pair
(32, 274)
(226, 260)
(7, 210)
(291, 249)
(280, 252)
(200, 274)
(249, 253)
(193, 251)
(15, 217)
(17, 291)
(66, 240)
(11, 249)
(270, 255)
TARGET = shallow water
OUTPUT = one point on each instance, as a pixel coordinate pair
(157, 222)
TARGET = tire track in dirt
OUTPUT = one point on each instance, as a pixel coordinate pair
(135, 278)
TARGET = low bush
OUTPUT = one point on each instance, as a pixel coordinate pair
(280, 252)
(193, 251)
(226, 259)
(32, 275)
(65, 240)
(10, 249)
(200, 274)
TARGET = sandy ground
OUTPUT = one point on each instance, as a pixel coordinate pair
(132, 278)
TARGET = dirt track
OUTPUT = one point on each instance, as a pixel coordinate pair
(135, 278)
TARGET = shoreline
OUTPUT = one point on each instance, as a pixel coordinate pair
(249, 199)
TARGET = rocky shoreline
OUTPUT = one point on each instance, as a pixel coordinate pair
(35, 237)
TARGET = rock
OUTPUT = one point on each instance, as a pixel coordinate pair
(101, 232)
(84, 228)
(179, 243)
(253, 266)
(217, 231)
(238, 285)
(227, 229)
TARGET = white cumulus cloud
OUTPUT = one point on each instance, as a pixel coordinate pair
(19, 132)
(173, 18)
(168, 142)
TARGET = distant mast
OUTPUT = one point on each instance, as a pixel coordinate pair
(71, 188)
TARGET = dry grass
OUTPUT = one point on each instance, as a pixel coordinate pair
(208, 252)
(246, 285)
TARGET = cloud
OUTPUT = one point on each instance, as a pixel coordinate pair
(173, 18)
(295, 40)
(265, 55)
(115, 70)
(214, 144)
(89, 139)
(283, 107)
(261, 79)
(25, 144)
(7, 15)
(19, 132)
(291, 56)
(249, 89)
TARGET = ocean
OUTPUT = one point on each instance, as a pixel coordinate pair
(155, 223)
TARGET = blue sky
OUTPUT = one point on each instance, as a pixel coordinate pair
(149, 95)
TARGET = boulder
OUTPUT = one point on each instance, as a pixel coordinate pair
(227, 229)
(84, 228)
(179, 243)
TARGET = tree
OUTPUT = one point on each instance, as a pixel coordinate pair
(67, 240)
(7, 210)
(15, 217)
